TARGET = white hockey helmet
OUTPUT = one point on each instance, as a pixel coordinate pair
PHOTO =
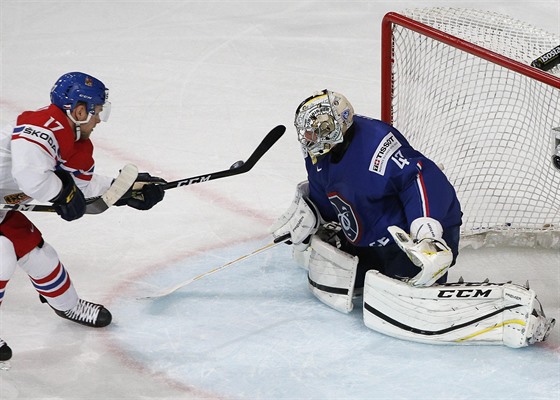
(321, 121)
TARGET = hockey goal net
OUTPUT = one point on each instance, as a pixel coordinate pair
(459, 85)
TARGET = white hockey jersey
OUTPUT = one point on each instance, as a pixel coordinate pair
(32, 148)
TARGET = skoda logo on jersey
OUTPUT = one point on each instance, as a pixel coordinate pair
(346, 217)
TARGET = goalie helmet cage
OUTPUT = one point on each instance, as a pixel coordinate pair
(459, 85)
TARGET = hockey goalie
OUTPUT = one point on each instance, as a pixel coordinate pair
(377, 218)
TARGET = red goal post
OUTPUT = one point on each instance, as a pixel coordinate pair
(459, 85)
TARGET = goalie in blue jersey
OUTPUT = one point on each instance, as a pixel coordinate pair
(363, 174)
(376, 217)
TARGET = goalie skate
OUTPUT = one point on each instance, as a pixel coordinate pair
(538, 326)
(85, 313)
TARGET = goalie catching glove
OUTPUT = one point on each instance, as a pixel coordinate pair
(301, 220)
(145, 193)
(426, 249)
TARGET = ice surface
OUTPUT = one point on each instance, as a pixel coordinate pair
(195, 86)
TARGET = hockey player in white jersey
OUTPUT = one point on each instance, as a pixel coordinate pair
(47, 155)
(397, 218)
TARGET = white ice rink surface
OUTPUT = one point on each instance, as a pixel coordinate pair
(195, 86)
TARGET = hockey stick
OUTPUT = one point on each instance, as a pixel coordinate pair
(97, 205)
(239, 167)
(94, 205)
(170, 290)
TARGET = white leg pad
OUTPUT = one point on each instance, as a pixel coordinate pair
(331, 275)
(456, 313)
(302, 256)
(327, 233)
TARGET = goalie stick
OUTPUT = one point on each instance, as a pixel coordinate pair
(166, 292)
(94, 205)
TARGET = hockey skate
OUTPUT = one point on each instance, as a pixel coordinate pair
(85, 313)
(538, 326)
(5, 351)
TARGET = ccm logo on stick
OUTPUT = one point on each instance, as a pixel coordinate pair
(194, 180)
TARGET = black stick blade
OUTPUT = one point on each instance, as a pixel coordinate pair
(269, 140)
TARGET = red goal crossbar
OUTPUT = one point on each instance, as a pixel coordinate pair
(393, 18)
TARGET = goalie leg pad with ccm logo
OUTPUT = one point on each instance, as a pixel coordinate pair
(454, 313)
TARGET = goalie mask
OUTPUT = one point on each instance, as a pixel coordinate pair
(321, 121)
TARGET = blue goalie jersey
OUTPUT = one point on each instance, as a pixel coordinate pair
(379, 181)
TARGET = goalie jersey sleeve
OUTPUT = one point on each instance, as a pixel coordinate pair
(380, 181)
(43, 141)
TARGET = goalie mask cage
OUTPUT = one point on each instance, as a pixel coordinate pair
(459, 85)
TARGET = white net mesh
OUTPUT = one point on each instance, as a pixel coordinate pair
(490, 127)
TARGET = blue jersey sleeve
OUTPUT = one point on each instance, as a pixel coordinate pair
(422, 187)
(424, 191)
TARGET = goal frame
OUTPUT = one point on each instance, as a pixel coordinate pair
(394, 18)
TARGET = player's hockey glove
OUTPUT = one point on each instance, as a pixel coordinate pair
(69, 203)
(426, 248)
(301, 220)
(145, 193)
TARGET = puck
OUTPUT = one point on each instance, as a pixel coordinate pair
(237, 164)
(556, 161)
